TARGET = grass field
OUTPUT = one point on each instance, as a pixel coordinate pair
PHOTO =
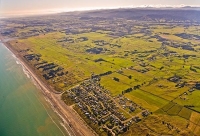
(138, 59)
(191, 99)
(146, 100)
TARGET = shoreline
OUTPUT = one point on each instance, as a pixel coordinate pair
(71, 122)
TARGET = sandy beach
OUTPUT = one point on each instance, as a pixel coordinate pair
(72, 122)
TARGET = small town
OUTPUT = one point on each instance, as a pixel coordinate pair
(100, 108)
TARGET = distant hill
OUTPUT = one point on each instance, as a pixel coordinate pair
(191, 14)
(191, 8)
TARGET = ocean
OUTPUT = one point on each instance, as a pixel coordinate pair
(23, 108)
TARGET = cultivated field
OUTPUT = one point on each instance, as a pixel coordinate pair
(143, 75)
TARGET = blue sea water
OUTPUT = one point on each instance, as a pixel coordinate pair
(23, 109)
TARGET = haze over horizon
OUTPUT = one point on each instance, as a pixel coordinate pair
(22, 7)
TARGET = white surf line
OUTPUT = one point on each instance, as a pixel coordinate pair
(64, 120)
(48, 100)
(7, 48)
(26, 72)
(50, 116)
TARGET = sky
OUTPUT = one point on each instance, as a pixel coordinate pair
(13, 7)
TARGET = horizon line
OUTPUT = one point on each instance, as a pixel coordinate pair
(63, 10)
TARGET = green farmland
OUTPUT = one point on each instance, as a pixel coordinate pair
(142, 78)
